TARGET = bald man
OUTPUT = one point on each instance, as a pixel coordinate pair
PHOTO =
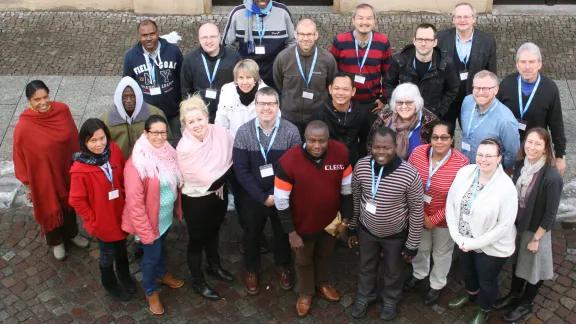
(302, 74)
(207, 68)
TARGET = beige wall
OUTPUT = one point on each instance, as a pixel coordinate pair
(83, 5)
(412, 5)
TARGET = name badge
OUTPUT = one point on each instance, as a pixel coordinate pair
(463, 76)
(427, 199)
(371, 207)
(308, 94)
(259, 50)
(466, 217)
(359, 79)
(155, 91)
(522, 124)
(465, 146)
(266, 171)
(113, 194)
(211, 93)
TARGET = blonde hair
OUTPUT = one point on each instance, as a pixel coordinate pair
(249, 66)
(193, 102)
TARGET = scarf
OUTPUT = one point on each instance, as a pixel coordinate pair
(402, 128)
(87, 157)
(43, 145)
(251, 10)
(161, 163)
(247, 98)
(203, 162)
(526, 175)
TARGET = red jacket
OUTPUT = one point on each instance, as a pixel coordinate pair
(89, 196)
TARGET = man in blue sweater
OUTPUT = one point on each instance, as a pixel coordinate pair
(258, 145)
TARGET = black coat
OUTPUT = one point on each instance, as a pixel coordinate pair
(438, 87)
(543, 201)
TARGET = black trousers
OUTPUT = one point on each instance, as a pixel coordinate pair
(113, 251)
(481, 275)
(67, 231)
(526, 290)
(253, 216)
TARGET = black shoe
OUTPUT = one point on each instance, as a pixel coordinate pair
(220, 273)
(264, 247)
(123, 271)
(509, 300)
(388, 312)
(412, 283)
(359, 309)
(111, 286)
(518, 312)
(206, 291)
(432, 296)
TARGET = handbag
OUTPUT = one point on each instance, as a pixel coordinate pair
(331, 228)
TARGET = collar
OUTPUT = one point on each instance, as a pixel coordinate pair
(213, 58)
(276, 125)
(360, 44)
(318, 162)
(468, 41)
(156, 52)
(388, 167)
(477, 109)
(306, 55)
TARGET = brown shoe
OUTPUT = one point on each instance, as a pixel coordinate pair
(155, 305)
(329, 293)
(251, 283)
(303, 305)
(169, 281)
(285, 278)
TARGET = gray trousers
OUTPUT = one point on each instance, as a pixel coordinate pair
(392, 264)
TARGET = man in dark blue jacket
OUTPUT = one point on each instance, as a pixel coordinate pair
(155, 64)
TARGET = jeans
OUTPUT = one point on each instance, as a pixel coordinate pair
(110, 251)
(481, 275)
(153, 264)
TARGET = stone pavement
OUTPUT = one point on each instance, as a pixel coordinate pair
(35, 288)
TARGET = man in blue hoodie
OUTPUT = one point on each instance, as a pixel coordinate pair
(155, 65)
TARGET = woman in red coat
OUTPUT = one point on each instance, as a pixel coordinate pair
(97, 195)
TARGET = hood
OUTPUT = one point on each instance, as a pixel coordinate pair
(138, 47)
(128, 82)
(79, 167)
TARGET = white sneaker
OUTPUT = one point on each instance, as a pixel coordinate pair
(231, 205)
(59, 252)
(80, 241)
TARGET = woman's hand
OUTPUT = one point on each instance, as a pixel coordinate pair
(341, 230)
(352, 241)
(533, 246)
(220, 193)
(463, 249)
(427, 224)
(29, 196)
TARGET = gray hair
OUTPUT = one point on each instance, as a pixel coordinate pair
(529, 47)
(485, 73)
(465, 4)
(363, 6)
(407, 90)
(267, 91)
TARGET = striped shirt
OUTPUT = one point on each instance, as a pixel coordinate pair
(399, 200)
(377, 63)
(440, 182)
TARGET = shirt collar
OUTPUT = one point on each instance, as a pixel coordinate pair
(276, 124)
(468, 41)
(156, 52)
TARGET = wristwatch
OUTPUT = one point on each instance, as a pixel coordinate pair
(534, 239)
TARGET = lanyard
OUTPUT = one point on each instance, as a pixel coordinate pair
(261, 29)
(311, 67)
(107, 169)
(377, 184)
(210, 79)
(150, 66)
(365, 53)
(429, 66)
(522, 108)
(471, 131)
(265, 154)
(418, 125)
(432, 171)
(475, 189)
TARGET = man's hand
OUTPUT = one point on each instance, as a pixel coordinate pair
(341, 230)
(352, 241)
(427, 224)
(561, 165)
(29, 196)
(407, 258)
(270, 201)
(379, 106)
(296, 242)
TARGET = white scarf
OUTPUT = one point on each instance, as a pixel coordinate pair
(526, 175)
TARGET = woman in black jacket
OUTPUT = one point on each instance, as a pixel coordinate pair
(539, 188)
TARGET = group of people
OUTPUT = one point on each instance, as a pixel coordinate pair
(353, 143)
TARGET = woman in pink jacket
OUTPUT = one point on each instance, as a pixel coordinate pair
(152, 179)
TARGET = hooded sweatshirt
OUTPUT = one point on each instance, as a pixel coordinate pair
(167, 75)
(124, 129)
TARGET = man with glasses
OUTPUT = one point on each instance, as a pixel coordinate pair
(426, 66)
(365, 54)
(472, 51)
(207, 68)
(484, 116)
(258, 145)
(302, 74)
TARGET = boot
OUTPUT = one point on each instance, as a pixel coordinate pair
(170, 281)
(217, 271)
(480, 318)
(123, 271)
(110, 284)
(462, 301)
(518, 312)
(509, 300)
(154, 303)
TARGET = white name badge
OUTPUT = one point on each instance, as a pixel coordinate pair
(211, 93)
(371, 207)
(266, 171)
(155, 91)
(427, 199)
(359, 79)
(463, 76)
(259, 50)
(113, 194)
(465, 146)
(308, 95)
(522, 124)
(466, 217)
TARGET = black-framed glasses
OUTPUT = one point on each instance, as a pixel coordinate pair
(266, 104)
(482, 89)
(156, 134)
(425, 40)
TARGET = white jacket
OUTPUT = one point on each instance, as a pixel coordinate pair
(492, 216)
(231, 113)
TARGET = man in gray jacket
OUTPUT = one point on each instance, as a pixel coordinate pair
(302, 74)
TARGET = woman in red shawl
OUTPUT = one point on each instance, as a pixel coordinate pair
(44, 140)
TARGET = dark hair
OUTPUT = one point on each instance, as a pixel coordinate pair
(384, 131)
(34, 86)
(543, 134)
(426, 26)
(146, 22)
(343, 75)
(154, 119)
(317, 124)
(447, 124)
(89, 127)
(492, 141)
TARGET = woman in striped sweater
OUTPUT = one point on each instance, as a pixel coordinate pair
(437, 164)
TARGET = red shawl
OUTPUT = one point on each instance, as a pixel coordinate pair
(42, 153)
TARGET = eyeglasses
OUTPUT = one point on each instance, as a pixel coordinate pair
(487, 156)
(306, 35)
(267, 104)
(212, 38)
(443, 138)
(407, 103)
(482, 89)
(425, 40)
(360, 18)
(462, 17)
(156, 134)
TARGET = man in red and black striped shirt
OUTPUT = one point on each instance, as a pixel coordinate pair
(365, 54)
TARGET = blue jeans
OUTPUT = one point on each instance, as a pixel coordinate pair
(153, 264)
(481, 275)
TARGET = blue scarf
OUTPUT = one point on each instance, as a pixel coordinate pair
(251, 10)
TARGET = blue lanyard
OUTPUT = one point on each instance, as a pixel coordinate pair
(150, 66)
(471, 131)
(261, 29)
(522, 108)
(418, 125)
(475, 189)
(460, 53)
(429, 66)
(210, 79)
(365, 53)
(377, 184)
(432, 171)
(311, 67)
(108, 172)
(265, 154)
